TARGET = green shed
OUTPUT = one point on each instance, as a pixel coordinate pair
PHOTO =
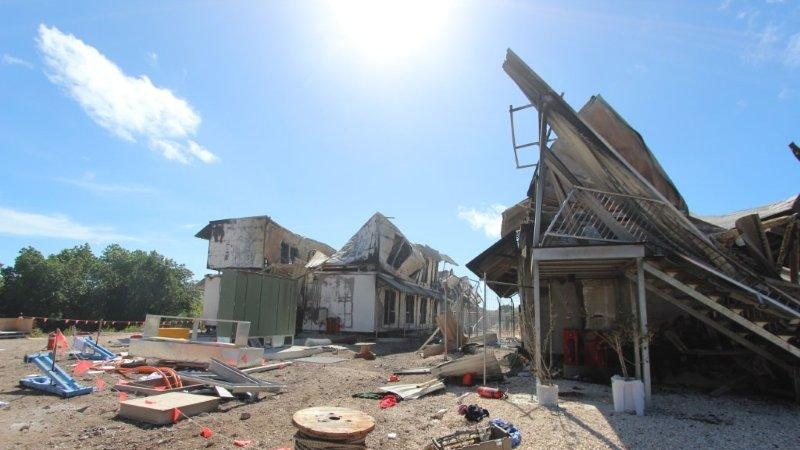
(268, 302)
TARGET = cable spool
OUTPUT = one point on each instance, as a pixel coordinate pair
(331, 428)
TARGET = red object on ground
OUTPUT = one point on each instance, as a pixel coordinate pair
(206, 432)
(393, 378)
(489, 392)
(82, 367)
(56, 340)
(242, 442)
(388, 401)
(123, 396)
(100, 383)
(466, 379)
(571, 347)
(176, 415)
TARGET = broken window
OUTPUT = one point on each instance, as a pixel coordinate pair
(288, 253)
(400, 251)
(284, 253)
(389, 307)
(409, 309)
(423, 310)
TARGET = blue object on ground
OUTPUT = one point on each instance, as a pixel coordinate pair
(54, 380)
(513, 432)
(96, 352)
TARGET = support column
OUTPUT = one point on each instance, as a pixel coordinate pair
(484, 328)
(636, 341)
(444, 331)
(643, 329)
(537, 321)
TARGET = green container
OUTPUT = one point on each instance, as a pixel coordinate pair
(268, 302)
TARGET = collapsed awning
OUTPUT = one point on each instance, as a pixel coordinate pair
(408, 288)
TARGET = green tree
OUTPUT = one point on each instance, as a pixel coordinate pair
(74, 283)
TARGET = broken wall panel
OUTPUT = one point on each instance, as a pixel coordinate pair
(258, 243)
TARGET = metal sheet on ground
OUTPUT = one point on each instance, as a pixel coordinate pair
(321, 359)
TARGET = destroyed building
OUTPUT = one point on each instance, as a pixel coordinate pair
(260, 266)
(604, 240)
(378, 282)
(259, 243)
(463, 298)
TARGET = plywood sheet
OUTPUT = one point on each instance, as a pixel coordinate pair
(158, 409)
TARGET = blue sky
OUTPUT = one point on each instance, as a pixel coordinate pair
(139, 122)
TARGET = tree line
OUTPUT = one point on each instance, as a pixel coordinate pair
(119, 284)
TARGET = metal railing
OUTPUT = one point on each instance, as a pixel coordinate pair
(595, 215)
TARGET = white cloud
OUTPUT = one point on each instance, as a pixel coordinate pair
(131, 108)
(488, 219)
(785, 94)
(20, 223)
(88, 182)
(152, 58)
(764, 46)
(202, 153)
(11, 60)
(792, 55)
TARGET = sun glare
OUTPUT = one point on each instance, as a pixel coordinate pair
(387, 31)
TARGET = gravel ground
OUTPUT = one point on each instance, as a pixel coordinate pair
(584, 418)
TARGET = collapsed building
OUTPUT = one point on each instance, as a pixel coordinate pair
(259, 266)
(378, 282)
(604, 241)
(281, 282)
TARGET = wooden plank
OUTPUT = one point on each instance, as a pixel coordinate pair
(158, 409)
(333, 423)
(153, 387)
(432, 350)
(786, 243)
(731, 315)
(430, 338)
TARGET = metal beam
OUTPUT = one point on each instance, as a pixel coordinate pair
(755, 329)
(588, 252)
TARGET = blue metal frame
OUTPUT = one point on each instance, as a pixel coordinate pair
(55, 380)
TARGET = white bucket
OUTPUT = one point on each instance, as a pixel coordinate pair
(79, 345)
(628, 395)
(547, 395)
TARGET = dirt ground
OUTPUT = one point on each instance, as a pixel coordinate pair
(584, 418)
